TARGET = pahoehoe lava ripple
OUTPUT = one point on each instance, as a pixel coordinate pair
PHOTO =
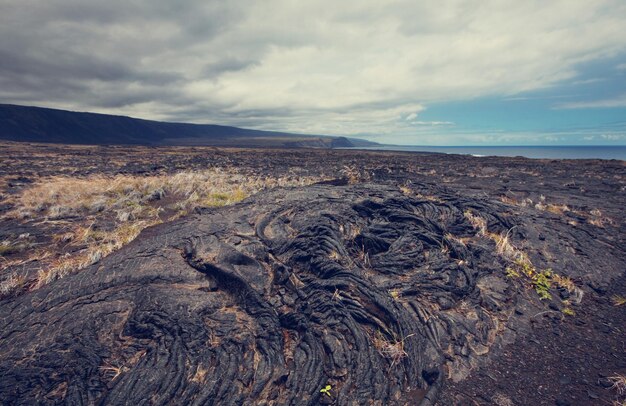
(361, 287)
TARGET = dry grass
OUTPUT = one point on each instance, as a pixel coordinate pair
(112, 371)
(62, 197)
(597, 219)
(406, 190)
(520, 265)
(564, 282)
(351, 173)
(364, 257)
(619, 384)
(101, 214)
(392, 349)
(8, 247)
(559, 209)
(514, 202)
(395, 294)
(594, 217)
(502, 400)
(12, 283)
(618, 300)
(504, 248)
(200, 375)
(478, 223)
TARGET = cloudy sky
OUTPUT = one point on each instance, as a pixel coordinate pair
(472, 72)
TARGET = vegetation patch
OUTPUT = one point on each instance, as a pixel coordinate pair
(390, 347)
(87, 218)
(618, 300)
(543, 282)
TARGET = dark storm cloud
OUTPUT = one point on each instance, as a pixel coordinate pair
(227, 65)
(101, 55)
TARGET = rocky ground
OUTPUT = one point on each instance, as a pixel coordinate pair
(399, 278)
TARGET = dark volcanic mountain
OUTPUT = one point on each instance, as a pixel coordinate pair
(37, 124)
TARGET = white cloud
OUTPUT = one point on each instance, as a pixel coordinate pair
(588, 81)
(619, 101)
(323, 66)
(613, 137)
(433, 123)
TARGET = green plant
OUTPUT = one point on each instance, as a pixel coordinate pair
(524, 265)
(6, 248)
(395, 294)
(568, 311)
(512, 273)
(326, 390)
(542, 283)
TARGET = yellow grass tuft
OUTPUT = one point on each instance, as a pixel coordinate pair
(10, 284)
(395, 294)
(127, 205)
(392, 349)
(200, 375)
(62, 196)
(559, 209)
(619, 383)
(618, 300)
(564, 282)
(505, 248)
(477, 222)
(112, 371)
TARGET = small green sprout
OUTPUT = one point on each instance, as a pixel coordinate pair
(512, 273)
(326, 390)
(543, 282)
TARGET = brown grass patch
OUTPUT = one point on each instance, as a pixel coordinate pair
(10, 284)
(619, 384)
(618, 300)
(478, 223)
(392, 349)
(200, 375)
(100, 214)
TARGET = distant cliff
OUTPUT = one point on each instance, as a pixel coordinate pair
(37, 124)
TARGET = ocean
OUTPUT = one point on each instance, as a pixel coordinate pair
(543, 152)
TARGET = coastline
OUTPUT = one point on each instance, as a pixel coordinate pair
(617, 152)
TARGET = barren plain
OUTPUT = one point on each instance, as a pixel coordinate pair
(205, 275)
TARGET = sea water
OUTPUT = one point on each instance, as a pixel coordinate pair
(543, 152)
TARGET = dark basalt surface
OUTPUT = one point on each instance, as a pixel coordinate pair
(270, 300)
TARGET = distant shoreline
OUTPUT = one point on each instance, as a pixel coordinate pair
(606, 152)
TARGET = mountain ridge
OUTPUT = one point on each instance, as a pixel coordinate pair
(41, 124)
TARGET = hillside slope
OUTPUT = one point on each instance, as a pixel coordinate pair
(37, 124)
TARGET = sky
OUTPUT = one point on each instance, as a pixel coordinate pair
(450, 72)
